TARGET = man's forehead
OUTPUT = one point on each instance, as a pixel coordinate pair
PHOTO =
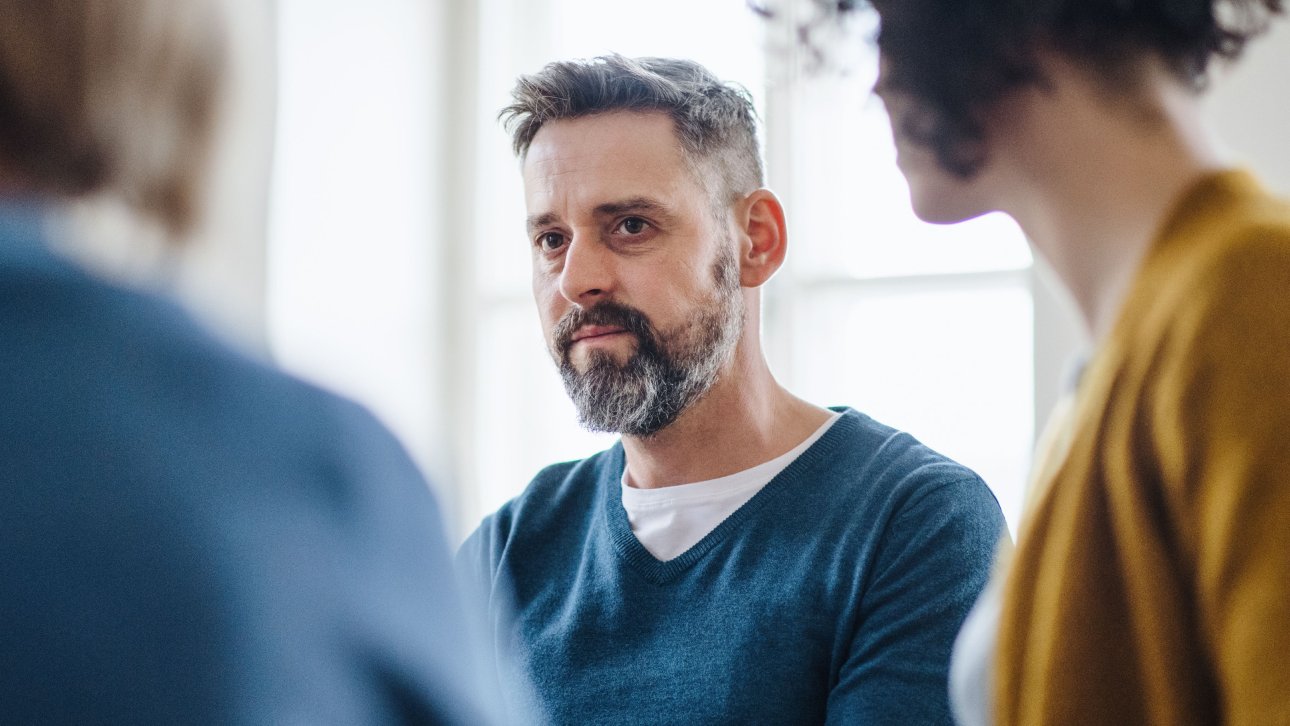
(605, 158)
(647, 137)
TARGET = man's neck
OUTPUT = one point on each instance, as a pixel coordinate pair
(746, 419)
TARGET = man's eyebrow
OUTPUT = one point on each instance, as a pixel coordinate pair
(639, 205)
(635, 204)
(541, 220)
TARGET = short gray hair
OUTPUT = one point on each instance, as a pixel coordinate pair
(714, 121)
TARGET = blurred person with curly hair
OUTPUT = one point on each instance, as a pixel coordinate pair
(1151, 574)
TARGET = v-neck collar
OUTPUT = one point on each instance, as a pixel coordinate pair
(638, 558)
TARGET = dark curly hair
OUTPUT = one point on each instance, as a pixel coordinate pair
(714, 121)
(956, 58)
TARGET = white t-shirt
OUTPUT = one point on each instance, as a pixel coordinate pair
(670, 520)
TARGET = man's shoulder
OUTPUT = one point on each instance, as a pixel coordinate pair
(572, 479)
(877, 467)
(891, 493)
(563, 471)
(868, 450)
(556, 493)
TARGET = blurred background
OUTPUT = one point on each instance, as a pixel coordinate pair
(368, 231)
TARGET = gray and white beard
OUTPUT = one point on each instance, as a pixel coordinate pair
(665, 375)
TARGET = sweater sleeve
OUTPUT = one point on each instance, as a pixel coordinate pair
(473, 564)
(1226, 456)
(934, 562)
(491, 621)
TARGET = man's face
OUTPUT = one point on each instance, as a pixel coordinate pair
(634, 272)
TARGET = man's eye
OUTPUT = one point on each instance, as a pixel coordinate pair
(633, 225)
(550, 241)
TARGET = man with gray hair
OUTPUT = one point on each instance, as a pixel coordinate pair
(741, 555)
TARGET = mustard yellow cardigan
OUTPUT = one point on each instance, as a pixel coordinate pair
(1151, 579)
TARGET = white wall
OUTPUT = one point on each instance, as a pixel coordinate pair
(368, 212)
(1250, 107)
(224, 270)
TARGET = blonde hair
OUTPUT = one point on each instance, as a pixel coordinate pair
(112, 97)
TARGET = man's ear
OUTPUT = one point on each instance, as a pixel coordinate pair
(764, 237)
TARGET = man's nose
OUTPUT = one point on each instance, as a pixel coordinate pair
(588, 272)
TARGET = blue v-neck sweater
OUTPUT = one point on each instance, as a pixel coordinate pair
(832, 596)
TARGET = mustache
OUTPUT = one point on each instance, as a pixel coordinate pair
(606, 313)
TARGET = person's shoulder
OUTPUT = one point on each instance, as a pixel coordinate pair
(288, 412)
(1228, 290)
(140, 372)
(1215, 357)
(555, 492)
(882, 491)
(163, 382)
(880, 467)
(1245, 238)
(121, 329)
(1255, 252)
(220, 373)
(875, 451)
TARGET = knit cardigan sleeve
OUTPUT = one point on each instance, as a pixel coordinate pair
(1223, 435)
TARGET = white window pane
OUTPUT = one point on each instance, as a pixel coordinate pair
(720, 35)
(348, 262)
(951, 367)
(850, 204)
(524, 420)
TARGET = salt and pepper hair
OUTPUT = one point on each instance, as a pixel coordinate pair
(111, 97)
(714, 121)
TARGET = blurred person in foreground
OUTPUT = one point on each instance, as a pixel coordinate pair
(740, 556)
(186, 535)
(1151, 576)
